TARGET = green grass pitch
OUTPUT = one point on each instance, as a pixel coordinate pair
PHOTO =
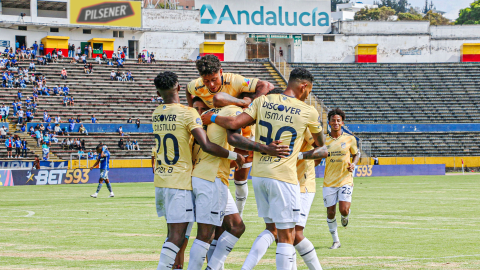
(426, 222)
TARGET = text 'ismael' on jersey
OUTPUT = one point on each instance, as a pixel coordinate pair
(160, 122)
(281, 108)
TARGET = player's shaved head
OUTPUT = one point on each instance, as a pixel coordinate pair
(166, 81)
(208, 65)
(276, 91)
(301, 82)
(299, 75)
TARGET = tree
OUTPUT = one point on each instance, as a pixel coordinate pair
(436, 19)
(470, 15)
(374, 14)
(400, 6)
(336, 2)
(411, 15)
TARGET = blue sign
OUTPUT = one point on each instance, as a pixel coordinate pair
(391, 170)
(4, 43)
(15, 165)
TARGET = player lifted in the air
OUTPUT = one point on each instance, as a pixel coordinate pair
(175, 192)
(104, 160)
(338, 181)
(283, 117)
(213, 81)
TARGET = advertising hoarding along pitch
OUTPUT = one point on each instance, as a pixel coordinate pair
(111, 13)
(265, 16)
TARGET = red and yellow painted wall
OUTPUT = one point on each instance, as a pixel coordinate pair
(53, 42)
(366, 53)
(470, 52)
(215, 48)
(106, 45)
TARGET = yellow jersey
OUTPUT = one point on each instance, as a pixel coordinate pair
(285, 118)
(306, 167)
(172, 126)
(339, 154)
(209, 167)
(232, 84)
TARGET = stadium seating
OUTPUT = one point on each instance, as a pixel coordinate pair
(400, 93)
(423, 144)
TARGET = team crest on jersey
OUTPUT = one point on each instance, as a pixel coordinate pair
(199, 121)
(246, 82)
(164, 107)
(238, 113)
(343, 145)
(284, 98)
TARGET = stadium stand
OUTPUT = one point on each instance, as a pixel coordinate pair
(400, 93)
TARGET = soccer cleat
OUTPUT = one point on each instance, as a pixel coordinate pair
(335, 245)
(111, 195)
(344, 221)
(93, 195)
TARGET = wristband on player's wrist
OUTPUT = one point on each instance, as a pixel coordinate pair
(212, 118)
(232, 155)
(300, 155)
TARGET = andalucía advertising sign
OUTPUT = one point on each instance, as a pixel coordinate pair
(265, 16)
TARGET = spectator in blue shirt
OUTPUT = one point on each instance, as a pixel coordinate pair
(49, 119)
(38, 136)
(65, 100)
(129, 76)
(94, 120)
(18, 147)
(78, 121)
(55, 90)
(35, 46)
(46, 139)
(14, 105)
(72, 101)
(49, 128)
(65, 90)
(29, 116)
(24, 148)
(72, 123)
(19, 94)
(45, 116)
(41, 48)
(17, 44)
(34, 108)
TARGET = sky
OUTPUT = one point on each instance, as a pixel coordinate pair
(452, 7)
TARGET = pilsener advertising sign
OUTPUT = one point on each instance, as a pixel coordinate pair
(112, 13)
(265, 16)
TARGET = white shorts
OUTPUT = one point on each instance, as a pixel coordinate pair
(306, 201)
(231, 205)
(103, 174)
(176, 205)
(210, 200)
(189, 230)
(277, 201)
(332, 195)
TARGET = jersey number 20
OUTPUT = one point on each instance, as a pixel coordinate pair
(165, 150)
(268, 140)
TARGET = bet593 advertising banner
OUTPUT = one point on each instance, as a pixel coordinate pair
(113, 13)
(265, 16)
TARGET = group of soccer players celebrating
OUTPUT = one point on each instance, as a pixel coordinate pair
(233, 123)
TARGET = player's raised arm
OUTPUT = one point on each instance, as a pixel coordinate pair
(227, 122)
(215, 150)
(273, 149)
(319, 152)
(262, 88)
(224, 99)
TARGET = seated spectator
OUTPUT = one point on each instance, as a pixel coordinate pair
(83, 130)
(129, 76)
(120, 131)
(113, 75)
(29, 115)
(137, 123)
(46, 151)
(160, 100)
(65, 131)
(80, 153)
(64, 144)
(64, 74)
(42, 129)
(90, 155)
(78, 121)
(129, 121)
(121, 144)
(75, 59)
(58, 130)
(124, 77)
(118, 75)
(70, 144)
(71, 101)
(31, 130)
(129, 144)
(60, 54)
(97, 59)
(46, 139)
(135, 145)
(71, 123)
(65, 90)
(3, 132)
(119, 63)
(78, 144)
(84, 58)
(32, 66)
(94, 120)
(85, 69)
(90, 68)
(49, 128)
(56, 90)
(82, 145)
(66, 101)
(152, 58)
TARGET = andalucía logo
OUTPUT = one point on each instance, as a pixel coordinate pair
(105, 12)
(280, 17)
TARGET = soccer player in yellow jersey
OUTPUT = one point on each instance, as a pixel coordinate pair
(283, 117)
(338, 181)
(218, 89)
(173, 127)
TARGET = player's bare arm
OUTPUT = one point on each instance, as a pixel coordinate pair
(274, 149)
(228, 122)
(98, 160)
(213, 149)
(153, 165)
(224, 99)
(189, 99)
(355, 160)
(320, 150)
(263, 87)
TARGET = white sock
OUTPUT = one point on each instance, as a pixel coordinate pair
(332, 227)
(225, 244)
(167, 257)
(241, 194)
(294, 262)
(259, 247)
(198, 252)
(306, 249)
(213, 245)
(284, 256)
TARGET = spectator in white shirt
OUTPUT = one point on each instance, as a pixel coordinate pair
(84, 59)
(120, 131)
(97, 59)
(113, 75)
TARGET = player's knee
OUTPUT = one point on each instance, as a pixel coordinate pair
(271, 227)
(100, 181)
(331, 213)
(237, 230)
(344, 210)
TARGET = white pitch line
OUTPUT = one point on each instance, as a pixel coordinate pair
(30, 213)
